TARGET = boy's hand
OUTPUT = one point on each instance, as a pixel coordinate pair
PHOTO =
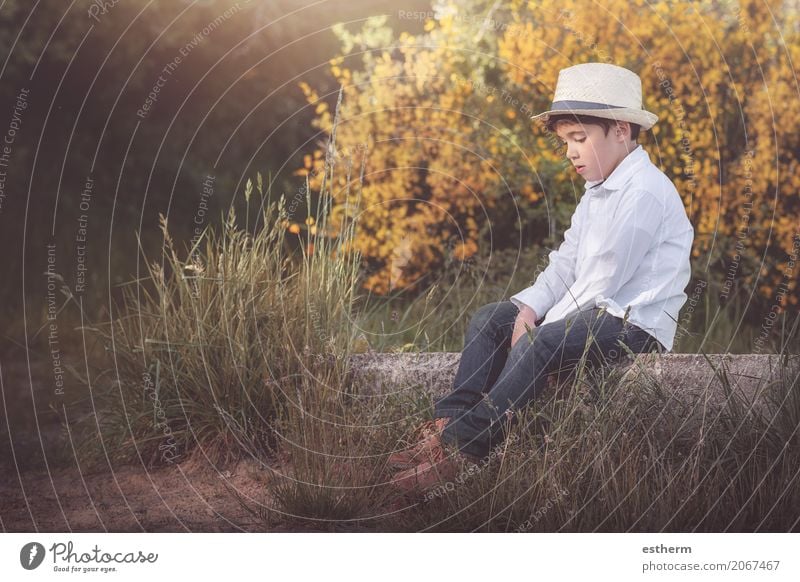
(526, 321)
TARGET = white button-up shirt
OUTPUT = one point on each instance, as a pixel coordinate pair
(627, 249)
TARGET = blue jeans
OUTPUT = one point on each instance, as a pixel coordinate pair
(494, 380)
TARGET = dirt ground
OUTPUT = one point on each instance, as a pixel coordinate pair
(178, 498)
(42, 489)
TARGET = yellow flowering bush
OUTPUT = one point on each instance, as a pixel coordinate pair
(438, 126)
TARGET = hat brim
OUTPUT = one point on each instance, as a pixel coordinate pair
(644, 119)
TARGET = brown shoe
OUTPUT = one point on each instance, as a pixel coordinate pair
(428, 439)
(441, 467)
(425, 476)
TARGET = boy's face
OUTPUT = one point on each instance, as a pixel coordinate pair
(593, 154)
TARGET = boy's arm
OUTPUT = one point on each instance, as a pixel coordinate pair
(552, 283)
(637, 220)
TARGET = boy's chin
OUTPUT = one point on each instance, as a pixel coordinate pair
(590, 178)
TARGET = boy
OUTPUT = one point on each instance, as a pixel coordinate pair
(618, 277)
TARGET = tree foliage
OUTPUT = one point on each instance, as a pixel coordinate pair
(440, 123)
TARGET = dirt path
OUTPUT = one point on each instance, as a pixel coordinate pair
(191, 496)
(42, 488)
(178, 498)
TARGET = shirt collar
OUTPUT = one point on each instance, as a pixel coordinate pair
(619, 177)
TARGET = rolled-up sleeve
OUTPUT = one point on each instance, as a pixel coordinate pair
(636, 225)
(553, 282)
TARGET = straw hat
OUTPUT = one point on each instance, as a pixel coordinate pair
(601, 90)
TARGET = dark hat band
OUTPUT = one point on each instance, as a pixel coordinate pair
(567, 105)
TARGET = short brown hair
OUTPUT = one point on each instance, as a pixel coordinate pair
(554, 120)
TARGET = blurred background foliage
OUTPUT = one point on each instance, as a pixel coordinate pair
(231, 108)
(434, 118)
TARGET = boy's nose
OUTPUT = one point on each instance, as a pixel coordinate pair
(571, 152)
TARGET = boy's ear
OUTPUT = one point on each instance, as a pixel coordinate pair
(622, 130)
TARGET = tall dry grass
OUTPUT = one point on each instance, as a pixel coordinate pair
(214, 344)
(603, 451)
(607, 455)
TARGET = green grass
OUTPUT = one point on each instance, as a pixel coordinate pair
(435, 321)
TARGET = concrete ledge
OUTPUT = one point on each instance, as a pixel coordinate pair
(689, 384)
